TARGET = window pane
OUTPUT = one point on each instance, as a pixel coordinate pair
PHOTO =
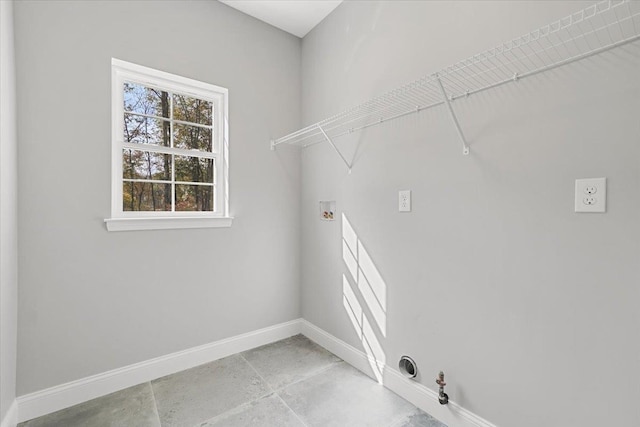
(194, 169)
(192, 110)
(191, 137)
(141, 196)
(146, 100)
(194, 197)
(145, 130)
(138, 164)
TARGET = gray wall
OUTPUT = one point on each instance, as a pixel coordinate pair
(529, 308)
(90, 300)
(8, 212)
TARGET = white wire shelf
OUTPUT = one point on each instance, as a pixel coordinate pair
(598, 28)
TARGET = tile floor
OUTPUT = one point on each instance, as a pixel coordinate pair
(290, 383)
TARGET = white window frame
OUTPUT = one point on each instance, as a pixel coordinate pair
(122, 220)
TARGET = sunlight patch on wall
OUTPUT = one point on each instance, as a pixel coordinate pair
(351, 304)
(368, 286)
(362, 326)
(365, 274)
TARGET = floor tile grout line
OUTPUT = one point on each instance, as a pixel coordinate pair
(291, 409)
(155, 403)
(306, 377)
(258, 374)
(236, 409)
(313, 374)
(245, 404)
(275, 391)
(271, 391)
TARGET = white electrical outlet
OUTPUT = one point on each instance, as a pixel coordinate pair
(591, 195)
(404, 201)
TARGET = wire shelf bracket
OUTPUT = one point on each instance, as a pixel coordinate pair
(465, 146)
(603, 26)
(335, 148)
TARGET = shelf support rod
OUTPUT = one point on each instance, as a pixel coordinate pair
(335, 148)
(465, 146)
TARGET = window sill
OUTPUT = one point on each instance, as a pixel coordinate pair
(165, 223)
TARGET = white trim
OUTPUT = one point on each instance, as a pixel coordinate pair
(63, 396)
(122, 71)
(349, 354)
(156, 77)
(453, 415)
(11, 417)
(166, 223)
(151, 148)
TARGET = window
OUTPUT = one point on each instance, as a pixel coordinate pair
(170, 151)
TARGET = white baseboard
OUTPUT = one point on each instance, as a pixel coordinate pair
(346, 352)
(63, 396)
(11, 418)
(453, 415)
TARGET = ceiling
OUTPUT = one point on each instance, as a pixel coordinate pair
(297, 17)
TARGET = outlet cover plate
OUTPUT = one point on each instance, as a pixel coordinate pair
(591, 195)
(404, 201)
